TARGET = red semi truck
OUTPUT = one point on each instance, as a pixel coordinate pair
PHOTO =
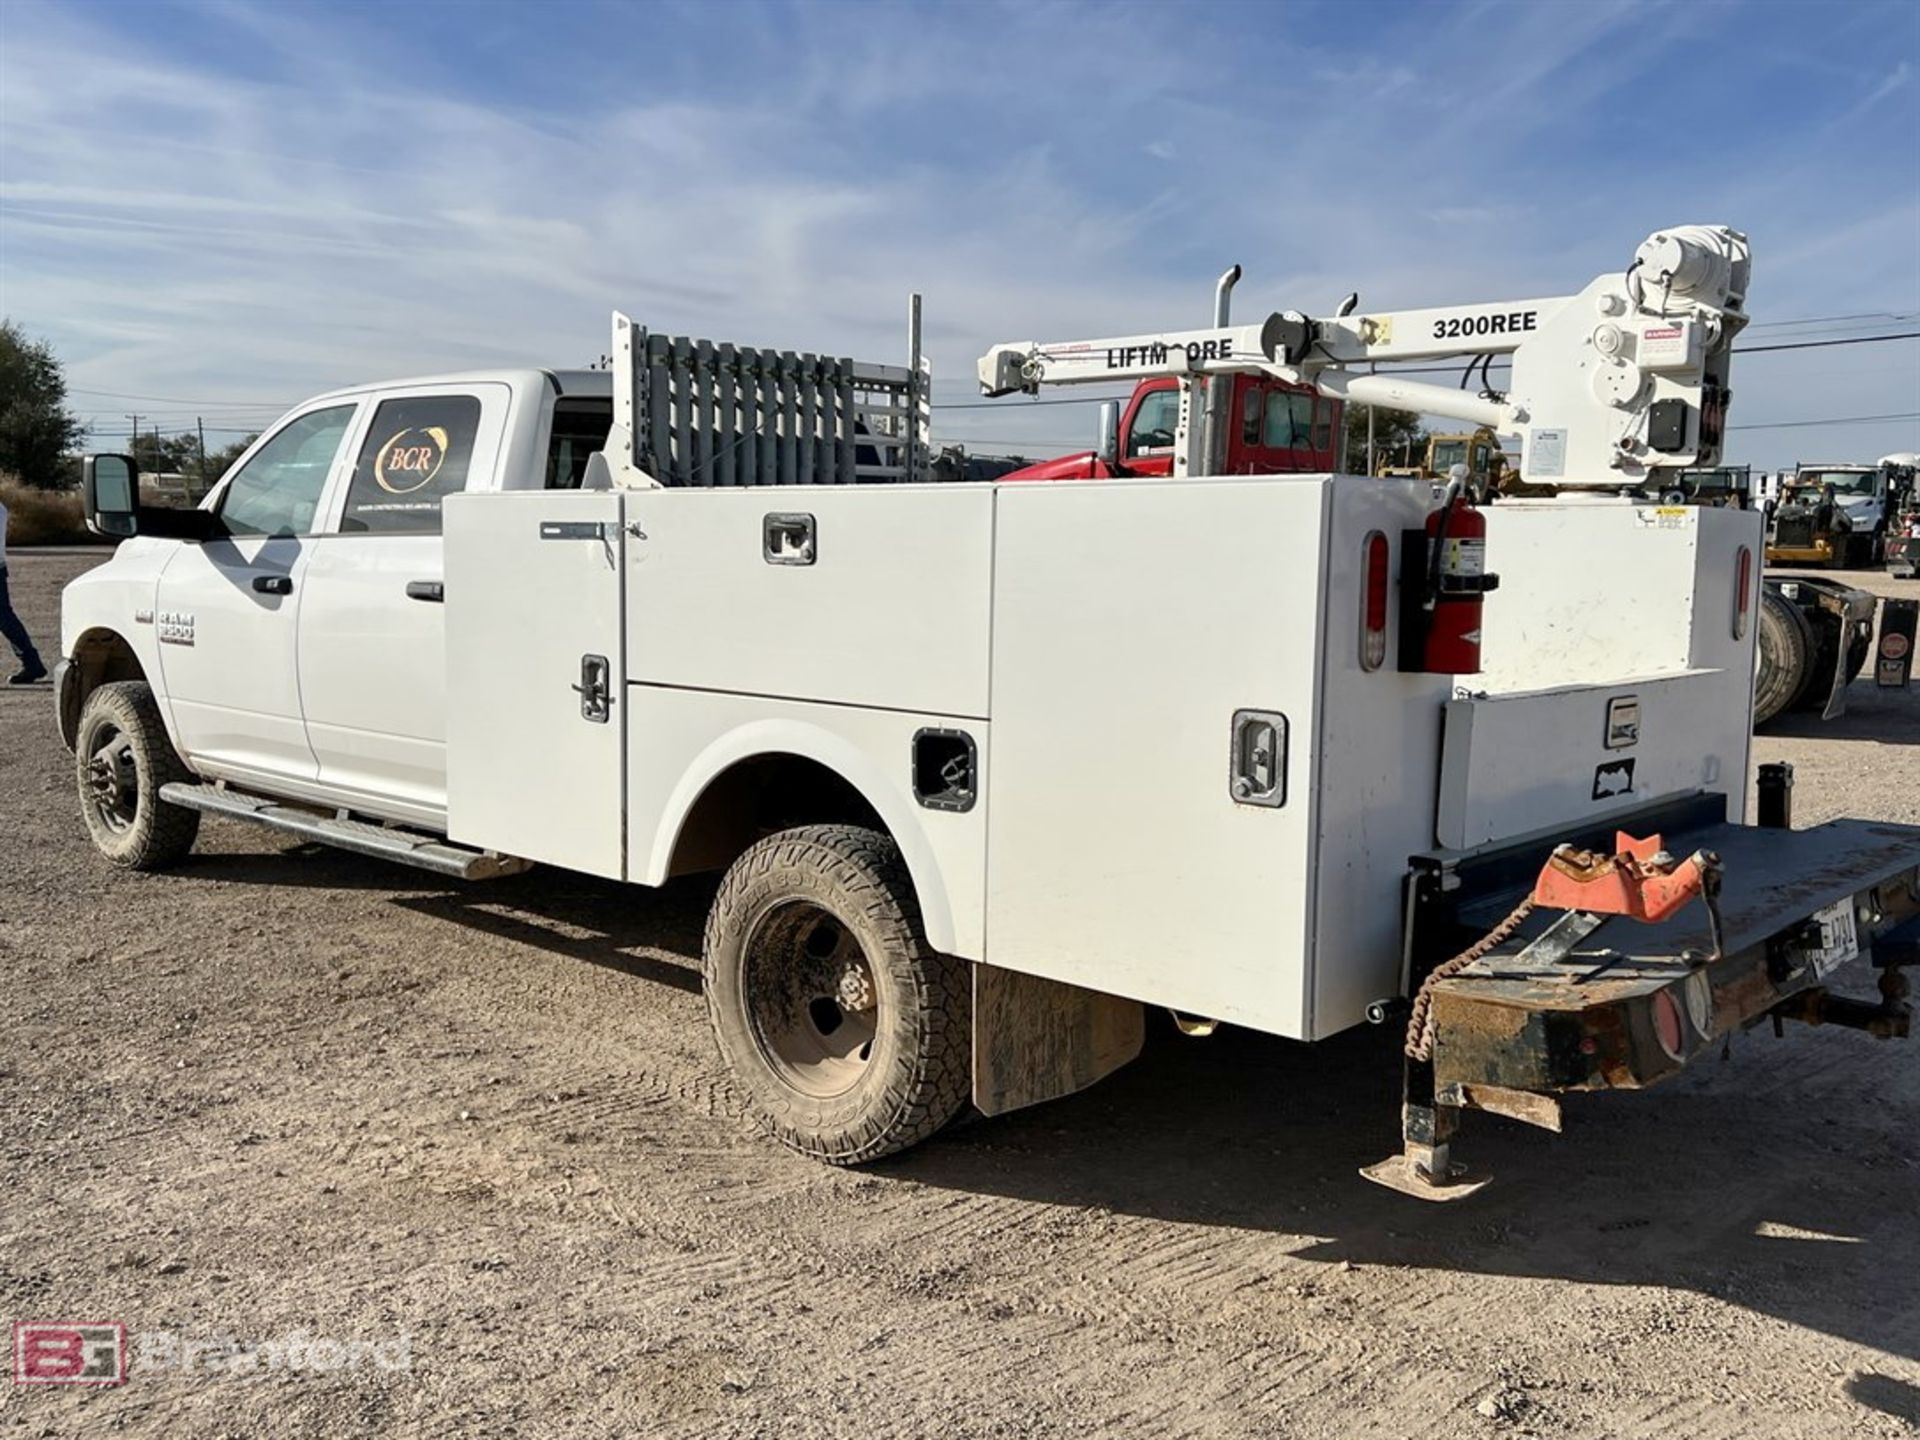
(1275, 428)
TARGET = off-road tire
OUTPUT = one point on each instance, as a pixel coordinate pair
(149, 834)
(1785, 657)
(918, 1073)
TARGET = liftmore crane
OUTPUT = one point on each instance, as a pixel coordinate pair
(1611, 388)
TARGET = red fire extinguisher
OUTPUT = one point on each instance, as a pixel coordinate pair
(1457, 582)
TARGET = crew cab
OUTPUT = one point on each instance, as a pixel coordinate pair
(295, 643)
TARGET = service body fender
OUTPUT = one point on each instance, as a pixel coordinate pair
(948, 868)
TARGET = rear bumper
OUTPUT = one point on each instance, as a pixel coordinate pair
(1662, 1001)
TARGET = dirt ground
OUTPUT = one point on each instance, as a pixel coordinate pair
(287, 1092)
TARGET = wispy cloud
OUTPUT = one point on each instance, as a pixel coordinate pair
(249, 203)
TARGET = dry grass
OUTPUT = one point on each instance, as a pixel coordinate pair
(43, 517)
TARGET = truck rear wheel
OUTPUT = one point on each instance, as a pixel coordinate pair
(122, 756)
(1786, 655)
(849, 1034)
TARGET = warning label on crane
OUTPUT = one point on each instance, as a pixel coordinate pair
(1546, 452)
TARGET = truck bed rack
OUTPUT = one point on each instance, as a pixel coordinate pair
(701, 412)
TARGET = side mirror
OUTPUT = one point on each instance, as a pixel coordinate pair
(110, 500)
(1109, 447)
(110, 495)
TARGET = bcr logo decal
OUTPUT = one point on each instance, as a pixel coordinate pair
(411, 459)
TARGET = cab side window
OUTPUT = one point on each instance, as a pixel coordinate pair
(416, 453)
(1154, 423)
(1289, 420)
(276, 492)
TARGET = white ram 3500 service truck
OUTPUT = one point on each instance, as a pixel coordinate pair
(989, 768)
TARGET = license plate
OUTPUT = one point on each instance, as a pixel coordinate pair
(1839, 942)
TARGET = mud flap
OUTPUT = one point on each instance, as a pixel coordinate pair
(1851, 609)
(1036, 1039)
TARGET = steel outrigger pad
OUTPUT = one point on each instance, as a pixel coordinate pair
(1402, 1173)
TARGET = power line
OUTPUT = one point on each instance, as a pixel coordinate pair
(1885, 315)
(1835, 420)
(177, 400)
(1823, 344)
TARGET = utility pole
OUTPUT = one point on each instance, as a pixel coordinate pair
(200, 426)
(133, 445)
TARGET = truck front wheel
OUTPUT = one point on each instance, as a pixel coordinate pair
(849, 1034)
(122, 756)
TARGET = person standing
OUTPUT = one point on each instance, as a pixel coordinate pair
(30, 667)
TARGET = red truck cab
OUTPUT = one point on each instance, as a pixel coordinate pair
(1274, 428)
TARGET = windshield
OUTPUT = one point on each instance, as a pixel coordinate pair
(1447, 454)
(1844, 482)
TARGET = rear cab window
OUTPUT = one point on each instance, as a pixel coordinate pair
(580, 429)
(418, 450)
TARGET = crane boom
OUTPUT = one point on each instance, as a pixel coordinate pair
(1611, 386)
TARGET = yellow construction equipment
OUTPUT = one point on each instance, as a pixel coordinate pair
(1487, 464)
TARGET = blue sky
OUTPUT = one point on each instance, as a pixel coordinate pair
(218, 208)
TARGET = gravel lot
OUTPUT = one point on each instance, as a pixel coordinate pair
(286, 1090)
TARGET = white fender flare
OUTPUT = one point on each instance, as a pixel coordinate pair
(776, 737)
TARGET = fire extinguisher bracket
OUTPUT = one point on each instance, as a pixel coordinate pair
(1432, 639)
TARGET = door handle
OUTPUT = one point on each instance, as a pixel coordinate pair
(433, 591)
(595, 689)
(273, 584)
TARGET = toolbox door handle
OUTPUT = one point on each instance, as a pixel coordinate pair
(1257, 771)
(787, 539)
(595, 689)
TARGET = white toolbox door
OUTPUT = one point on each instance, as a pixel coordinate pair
(1131, 623)
(534, 616)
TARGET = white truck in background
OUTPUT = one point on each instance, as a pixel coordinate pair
(989, 768)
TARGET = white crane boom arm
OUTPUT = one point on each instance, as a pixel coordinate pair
(1611, 386)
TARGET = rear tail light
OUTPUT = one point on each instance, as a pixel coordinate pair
(1373, 602)
(1669, 1026)
(1742, 592)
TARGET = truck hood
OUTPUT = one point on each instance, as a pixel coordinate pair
(1862, 510)
(1083, 466)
